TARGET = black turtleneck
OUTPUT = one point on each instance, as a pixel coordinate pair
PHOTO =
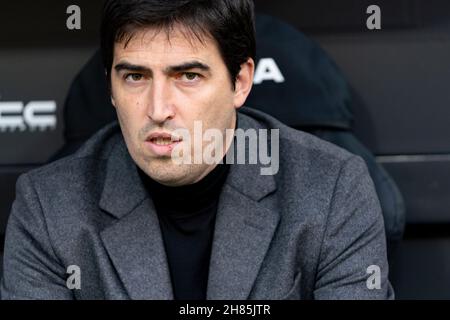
(187, 217)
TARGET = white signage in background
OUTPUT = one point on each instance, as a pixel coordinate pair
(36, 115)
(267, 70)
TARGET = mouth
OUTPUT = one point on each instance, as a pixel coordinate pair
(161, 138)
(162, 143)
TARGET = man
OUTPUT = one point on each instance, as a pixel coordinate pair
(141, 211)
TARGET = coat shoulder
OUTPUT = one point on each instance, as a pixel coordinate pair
(296, 144)
(94, 152)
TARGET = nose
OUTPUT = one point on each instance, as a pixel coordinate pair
(160, 108)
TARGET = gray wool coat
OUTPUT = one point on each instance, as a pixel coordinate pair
(311, 231)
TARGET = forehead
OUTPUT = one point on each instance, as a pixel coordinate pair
(159, 44)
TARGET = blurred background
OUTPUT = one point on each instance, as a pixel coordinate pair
(396, 106)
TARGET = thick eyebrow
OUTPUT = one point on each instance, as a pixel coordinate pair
(186, 67)
(131, 67)
(168, 70)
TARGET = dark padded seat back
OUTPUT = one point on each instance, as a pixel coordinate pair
(295, 81)
(298, 83)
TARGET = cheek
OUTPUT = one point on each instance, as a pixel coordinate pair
(124, 97)
(129, 105)
(127, 113)
(214, 99)
(222, 110)
(221, 106)
(131, 116)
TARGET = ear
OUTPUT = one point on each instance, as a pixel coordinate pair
(113, 102)
(244, 83)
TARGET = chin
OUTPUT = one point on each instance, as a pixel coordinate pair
(168, 174)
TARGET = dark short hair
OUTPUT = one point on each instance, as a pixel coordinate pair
(231, 23)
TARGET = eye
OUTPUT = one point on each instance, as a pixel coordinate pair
(133, 77)
(190, 76)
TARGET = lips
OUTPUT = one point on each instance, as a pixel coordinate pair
(162, 138)
(162, 143)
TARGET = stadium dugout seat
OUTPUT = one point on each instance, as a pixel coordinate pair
(398, 78)
(295, 81)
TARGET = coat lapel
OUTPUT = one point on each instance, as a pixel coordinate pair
(245, 225)
(244, 230)
(134, 242)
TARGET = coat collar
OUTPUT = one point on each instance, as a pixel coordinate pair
(243, 230)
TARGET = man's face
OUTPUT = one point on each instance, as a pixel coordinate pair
(161, 84)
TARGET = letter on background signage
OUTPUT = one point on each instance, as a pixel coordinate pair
(267, 70)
